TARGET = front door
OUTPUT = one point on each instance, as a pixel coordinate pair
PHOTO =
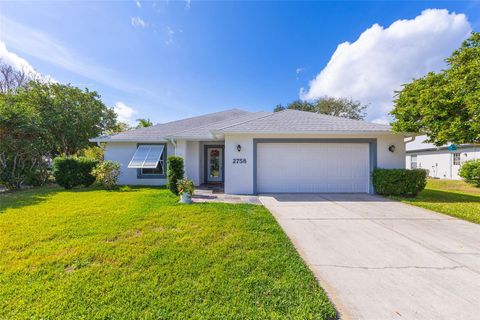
(214, 163)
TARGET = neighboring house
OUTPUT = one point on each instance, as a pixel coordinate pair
(260, 152)
(441, 162)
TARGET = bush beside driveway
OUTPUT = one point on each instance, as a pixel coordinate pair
(137, 253)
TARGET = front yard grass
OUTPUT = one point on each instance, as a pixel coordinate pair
(136, 253)
(453, 197)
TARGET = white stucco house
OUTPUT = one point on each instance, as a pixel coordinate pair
(441, 162)
(260, 152)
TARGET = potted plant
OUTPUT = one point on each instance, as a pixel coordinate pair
(185, 190)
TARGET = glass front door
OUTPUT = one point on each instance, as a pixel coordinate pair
(214, 164)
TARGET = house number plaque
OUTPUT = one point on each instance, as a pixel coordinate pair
(239, 161)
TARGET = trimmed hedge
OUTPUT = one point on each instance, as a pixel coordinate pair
(470, 172)
(71, 172)
(399, 182)
(175, 172)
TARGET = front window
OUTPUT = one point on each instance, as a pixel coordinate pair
(149, 160)
(413, 161)
(456, 159)
(160, 169)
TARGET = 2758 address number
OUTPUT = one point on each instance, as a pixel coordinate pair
(239, 161)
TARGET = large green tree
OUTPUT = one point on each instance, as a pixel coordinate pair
(340, 107)
(71, 115)
(41, 120)
(446, 105)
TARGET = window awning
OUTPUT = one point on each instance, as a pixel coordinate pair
(146, 157)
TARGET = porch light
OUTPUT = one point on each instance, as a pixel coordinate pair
(239, 148)
(391, 148)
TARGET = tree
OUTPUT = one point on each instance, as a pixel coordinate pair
(446, 105)
(118, 127)
(143, 123)
(11, 79)
(70, 115)
(340, 107)
(23, 142)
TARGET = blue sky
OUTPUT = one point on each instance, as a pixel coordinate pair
(168, 60)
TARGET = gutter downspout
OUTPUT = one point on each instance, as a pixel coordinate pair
(172, 141)
(412, 139)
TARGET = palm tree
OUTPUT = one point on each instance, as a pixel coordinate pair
(143, 123)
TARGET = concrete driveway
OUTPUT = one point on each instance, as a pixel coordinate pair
(380, 259)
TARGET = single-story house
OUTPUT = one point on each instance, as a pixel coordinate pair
(441, 162)
(260, 152)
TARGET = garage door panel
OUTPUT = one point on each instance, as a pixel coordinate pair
(313, 167)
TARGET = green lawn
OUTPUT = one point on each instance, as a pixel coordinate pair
(455, 198)
(137, 253)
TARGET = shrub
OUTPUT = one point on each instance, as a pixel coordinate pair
(400, 182)
(93, 152)
(174, 172)
(70, 172)
(40, 176)
(185, 186)
(470, 172)
(106, 174)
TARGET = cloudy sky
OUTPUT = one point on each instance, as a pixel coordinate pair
(168, 60)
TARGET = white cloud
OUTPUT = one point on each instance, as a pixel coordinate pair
(298, 71)
(188, 4)
(21, 64)
(382, 59)
(15, 61)
(124, 112)
(138, 3)
(170, 34)
(138, 22)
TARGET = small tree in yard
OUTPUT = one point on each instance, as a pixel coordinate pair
(107, 174)
(175, 172)
(470, 172)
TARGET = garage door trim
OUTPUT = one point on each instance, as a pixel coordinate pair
(372, 144)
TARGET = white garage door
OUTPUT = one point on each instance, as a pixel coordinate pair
(313, 167)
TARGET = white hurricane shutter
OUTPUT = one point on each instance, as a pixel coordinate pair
(146, 157)
(313, 167)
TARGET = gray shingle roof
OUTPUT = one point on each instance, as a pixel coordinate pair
(239, 121)
(164, 130)
(294, 121)
(206, 131)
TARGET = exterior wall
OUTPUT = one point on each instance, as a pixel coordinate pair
(123, 153)
(191, 151)
(239, 176)
(192, 161)
(439, 163)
